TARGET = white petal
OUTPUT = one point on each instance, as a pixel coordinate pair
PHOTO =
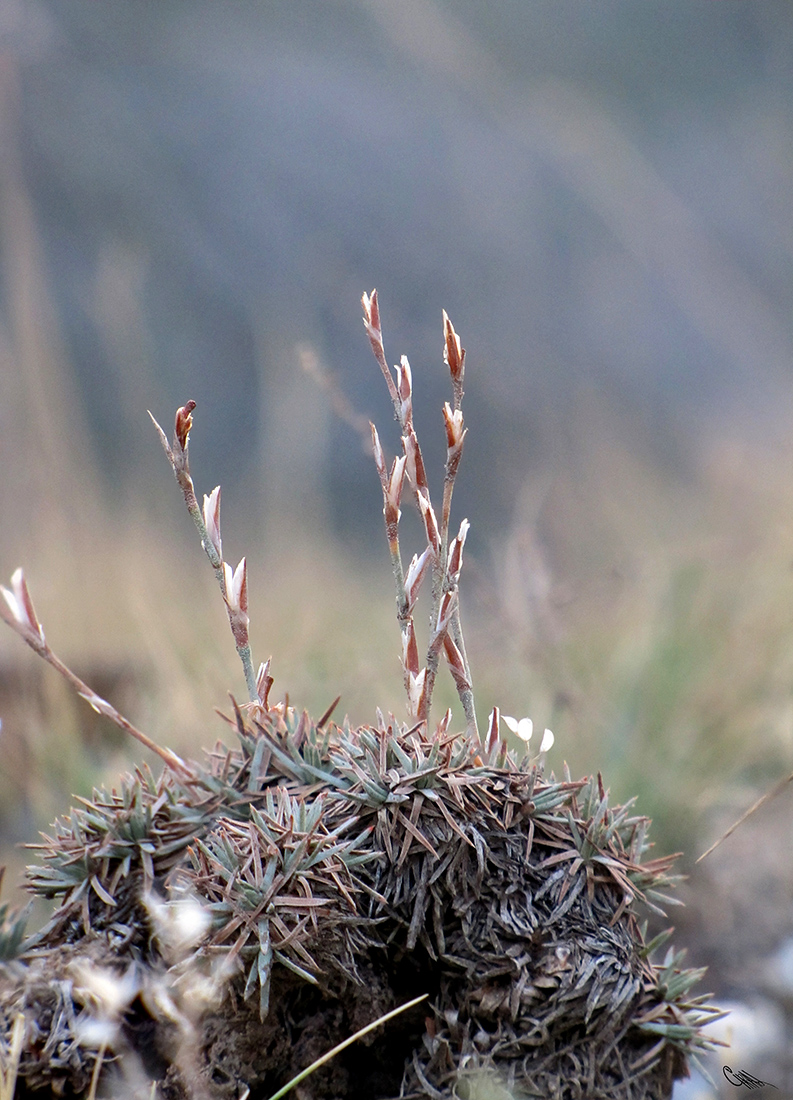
(522, 728)
(547, 741)
(525, 729)
(13, 604)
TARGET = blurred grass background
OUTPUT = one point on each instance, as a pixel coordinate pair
(613, 244)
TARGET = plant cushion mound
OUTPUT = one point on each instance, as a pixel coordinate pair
(287, 892)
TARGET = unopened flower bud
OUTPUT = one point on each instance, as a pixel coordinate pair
(444, 724)
(212, 520)
(237, 600)
(20, 604)
(410, 650)
(182, 425)
(445, 611)
(456, 664)
(377, 451)
(371, 315)
(455, 560)
(453, 351)
(405, 390)
(492, 730)
(415, 467)
(264, 682)
(455, 432)
(416, 692)
(415, 575)
(430, 522)
(393, 489)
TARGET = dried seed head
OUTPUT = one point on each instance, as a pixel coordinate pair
(20, 604)
(212, 520)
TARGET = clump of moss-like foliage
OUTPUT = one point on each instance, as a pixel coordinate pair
(223, 925)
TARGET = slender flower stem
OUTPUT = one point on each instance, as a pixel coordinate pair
(177, 453)
(443, 584)
(37, 643)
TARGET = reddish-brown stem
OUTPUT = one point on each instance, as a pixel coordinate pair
(40, 646)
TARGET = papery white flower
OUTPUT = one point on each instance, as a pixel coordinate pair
(523, 728)
(212, 519)
(547, 741)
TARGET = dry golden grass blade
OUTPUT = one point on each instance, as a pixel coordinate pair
(767, 797)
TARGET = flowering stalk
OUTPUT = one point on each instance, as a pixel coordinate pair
(446, 634)
(233, 584)
(16, 609)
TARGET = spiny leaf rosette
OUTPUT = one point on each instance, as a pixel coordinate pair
(220, 927)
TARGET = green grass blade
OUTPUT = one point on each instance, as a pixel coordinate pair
(341, 1046)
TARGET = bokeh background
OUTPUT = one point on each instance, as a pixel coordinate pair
(193, 197)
